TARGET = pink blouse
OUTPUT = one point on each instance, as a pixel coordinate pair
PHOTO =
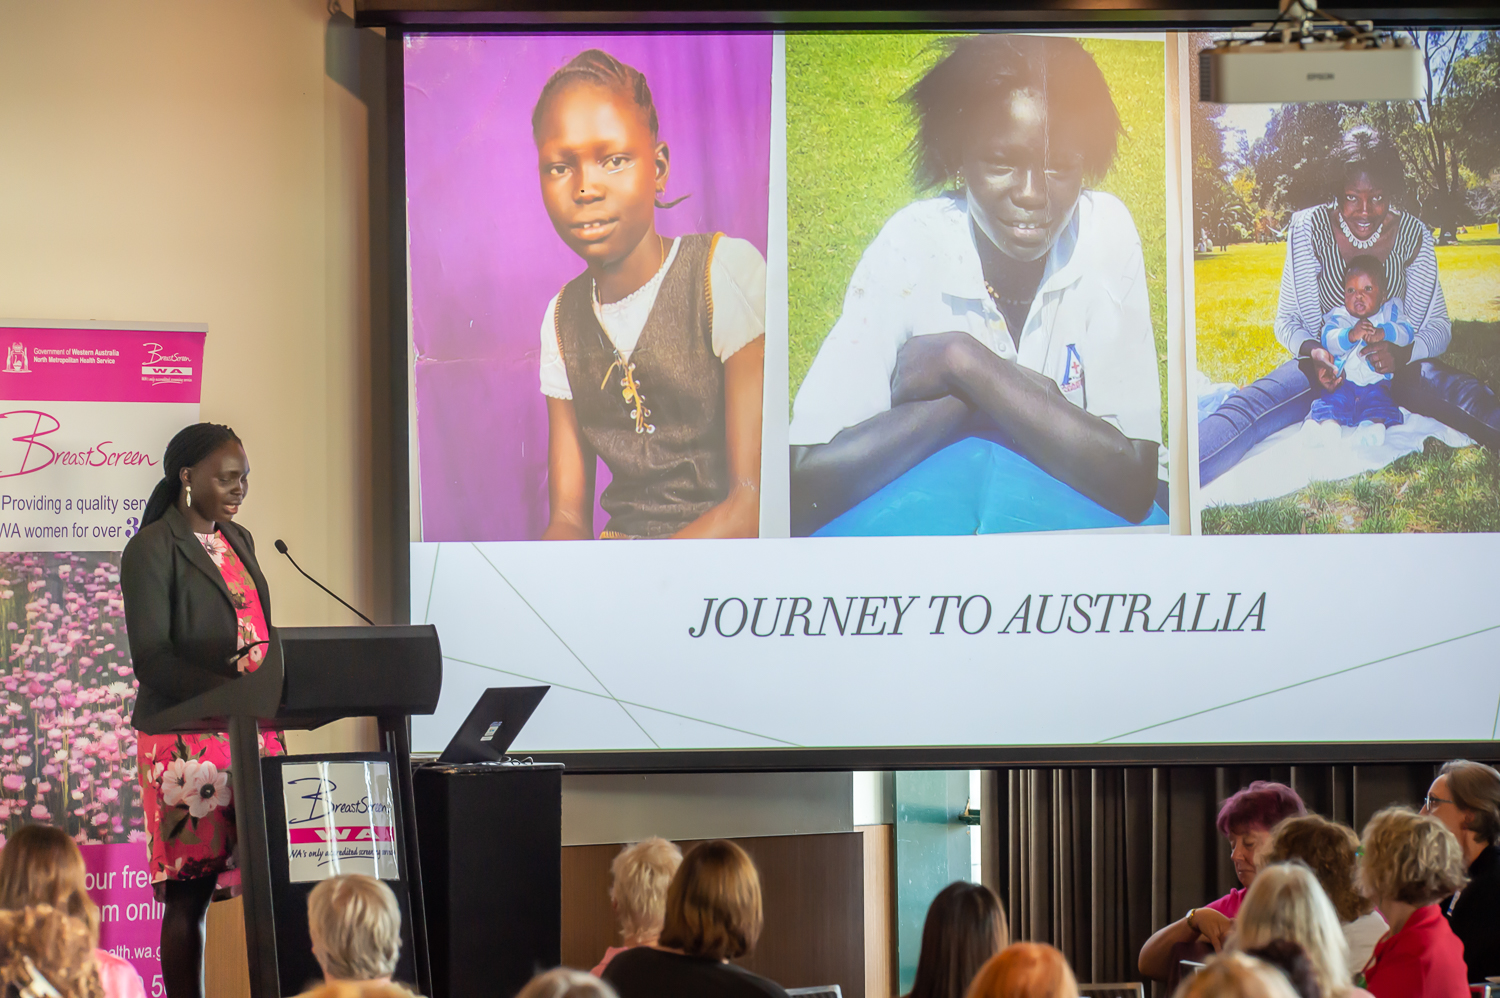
(246, 599)
(1229, 904)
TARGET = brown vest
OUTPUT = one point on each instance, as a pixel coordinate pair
(671, 464)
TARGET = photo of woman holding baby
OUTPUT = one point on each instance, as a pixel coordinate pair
(1371, 417)
(1362, 224)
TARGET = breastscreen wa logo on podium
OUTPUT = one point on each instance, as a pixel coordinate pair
(340, 818)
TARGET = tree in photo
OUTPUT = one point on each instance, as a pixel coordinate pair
(1219, 213)
(1450, 137)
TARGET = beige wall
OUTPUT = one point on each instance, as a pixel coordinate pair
(181, 161)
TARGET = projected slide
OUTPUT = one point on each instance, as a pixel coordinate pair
(893, 334)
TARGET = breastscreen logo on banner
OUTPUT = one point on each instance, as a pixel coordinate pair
(82, 431)
(340, 818)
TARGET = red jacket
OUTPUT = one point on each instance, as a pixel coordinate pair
(1423, 960)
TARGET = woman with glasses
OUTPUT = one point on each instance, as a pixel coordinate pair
(1465, 797)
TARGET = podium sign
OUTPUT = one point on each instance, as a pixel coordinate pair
(340, 818)
(326, 815)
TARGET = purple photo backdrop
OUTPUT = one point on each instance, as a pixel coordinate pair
(485, 260)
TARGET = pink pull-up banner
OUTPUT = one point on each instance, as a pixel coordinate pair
(85, 416)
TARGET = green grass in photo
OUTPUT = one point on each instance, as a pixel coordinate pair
(848, 166)
(1437, 490)
(1440, 489)
(1235, 291)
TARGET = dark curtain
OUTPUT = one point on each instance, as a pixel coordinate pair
(1095, 860)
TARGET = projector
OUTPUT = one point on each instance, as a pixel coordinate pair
(1295, 72)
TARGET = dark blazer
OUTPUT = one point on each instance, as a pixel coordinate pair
(178, 614)
(1475, 917)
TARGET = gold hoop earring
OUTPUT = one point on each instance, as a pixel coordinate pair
(189, 490)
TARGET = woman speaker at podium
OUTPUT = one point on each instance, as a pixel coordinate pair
(198, 612)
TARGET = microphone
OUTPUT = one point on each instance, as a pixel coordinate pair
(281, 546)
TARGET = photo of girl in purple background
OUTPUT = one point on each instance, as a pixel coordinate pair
(514, 440)
(672, 330)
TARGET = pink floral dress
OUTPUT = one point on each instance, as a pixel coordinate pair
(185, 779)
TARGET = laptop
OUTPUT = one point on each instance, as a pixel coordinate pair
(493, 724)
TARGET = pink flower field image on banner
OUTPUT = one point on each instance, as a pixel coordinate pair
(67, 750)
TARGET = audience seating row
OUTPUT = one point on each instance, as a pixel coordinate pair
(1408, 909)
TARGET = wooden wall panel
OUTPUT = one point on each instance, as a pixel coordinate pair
(881, 980)
(226, 970)
(588, 925)
(817, 913)
(812, 887)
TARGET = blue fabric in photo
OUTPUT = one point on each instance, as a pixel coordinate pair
(975, 486)
(1350, 404)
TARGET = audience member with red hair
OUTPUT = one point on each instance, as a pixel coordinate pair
(1245, 819)
(1025, 970)
(43, 947)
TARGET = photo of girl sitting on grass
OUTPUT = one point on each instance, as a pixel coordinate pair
(1000, 325)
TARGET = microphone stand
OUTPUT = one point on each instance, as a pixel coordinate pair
(281, 546)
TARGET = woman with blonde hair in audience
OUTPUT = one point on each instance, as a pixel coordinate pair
(713, 915)
(1409, 862)
(566, 983)
(1235, 975)
(40, 864)
(357, 989)
(1331, 851)
(1286, 902)
(355, 925)
(965, 927)
(638, 880)
(1025, 970)
(1245, 818)
(41, 941)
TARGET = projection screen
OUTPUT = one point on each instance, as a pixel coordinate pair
(992, 390)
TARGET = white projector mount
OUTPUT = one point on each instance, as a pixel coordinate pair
(1302, 57)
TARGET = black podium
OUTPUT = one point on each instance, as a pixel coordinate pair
(311, 676)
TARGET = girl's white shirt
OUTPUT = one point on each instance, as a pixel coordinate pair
(737, 281)
(1089, 328)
